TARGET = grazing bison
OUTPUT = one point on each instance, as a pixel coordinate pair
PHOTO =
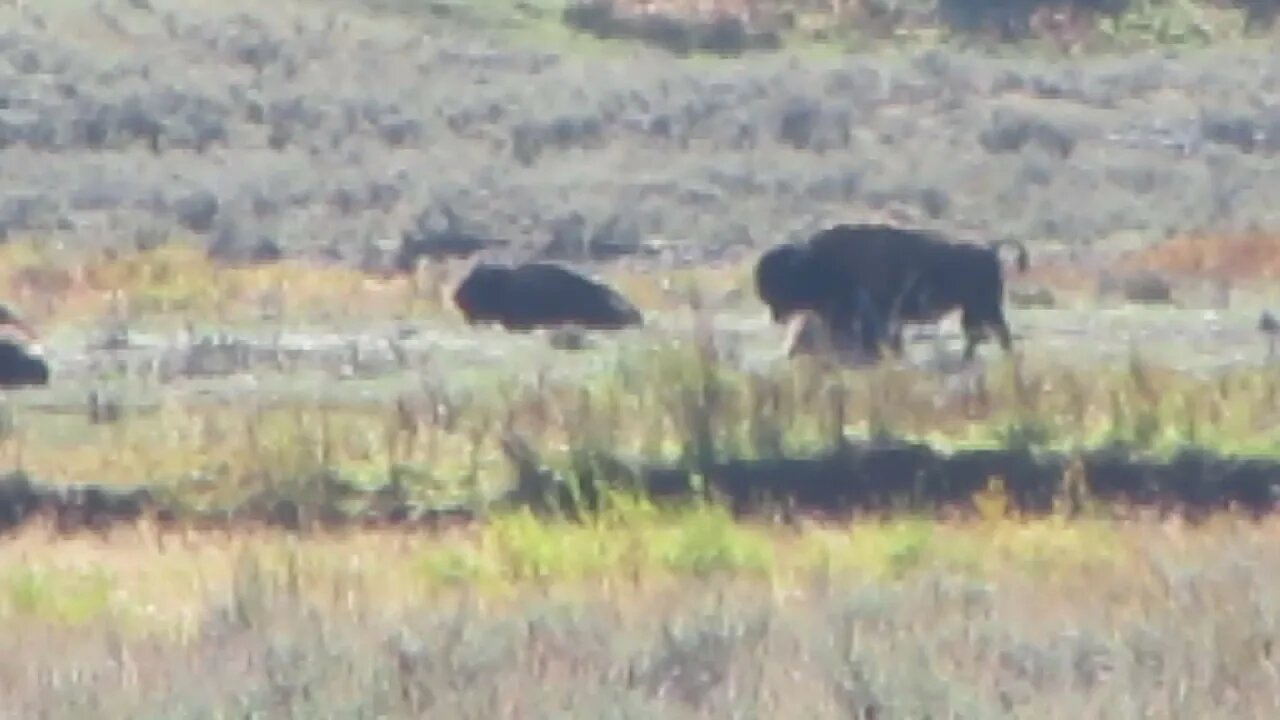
(877, 277)
(540, 294)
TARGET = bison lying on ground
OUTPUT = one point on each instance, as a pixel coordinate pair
(870, 279)
(540, 294)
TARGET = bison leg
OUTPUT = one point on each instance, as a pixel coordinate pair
(895, 339)
(874, 326)
(850, 334)
(1005, 336)
(997, 321)
(971, 341)
(974, 333)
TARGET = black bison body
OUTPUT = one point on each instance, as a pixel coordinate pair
(22, 364)
(540, 294)
(874, 278)
(792, 285)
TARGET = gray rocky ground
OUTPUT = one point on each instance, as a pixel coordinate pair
(382, 361)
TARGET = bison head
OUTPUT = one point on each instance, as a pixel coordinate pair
(481, 296)
(783, 280)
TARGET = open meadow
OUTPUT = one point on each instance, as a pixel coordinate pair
(275, 473)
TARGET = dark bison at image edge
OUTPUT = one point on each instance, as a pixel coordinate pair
(22, 363)
(21, 366)
(540, 294)
(874, 278)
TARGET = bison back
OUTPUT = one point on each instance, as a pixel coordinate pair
(969, 276)
(882, 260)
(550, 294)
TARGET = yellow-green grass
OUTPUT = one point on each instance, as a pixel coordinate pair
(161, 581)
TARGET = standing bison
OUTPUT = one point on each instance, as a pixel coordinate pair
(873, 278)
(540, 294)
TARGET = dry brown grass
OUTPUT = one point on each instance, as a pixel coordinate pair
(177, 279)
(1060, 276)
(1248, 257)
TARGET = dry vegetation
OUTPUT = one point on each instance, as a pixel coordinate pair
(309, 130)
(648, 615)
(1248, 258)
(636, 401)
(733, 27)
(640, 611)
(255, 168)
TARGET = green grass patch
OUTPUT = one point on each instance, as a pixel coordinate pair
(56, 595)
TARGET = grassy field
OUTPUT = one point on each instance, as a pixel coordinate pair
(200, 206)
(435, 403)
(648, 615)
(642, 611)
